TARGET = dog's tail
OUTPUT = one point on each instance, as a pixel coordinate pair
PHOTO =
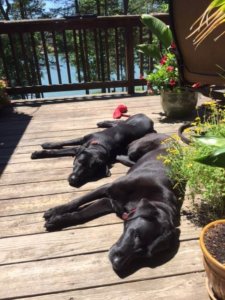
(181, 132)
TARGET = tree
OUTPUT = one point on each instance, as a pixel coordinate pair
(21, 9)
(107, 7)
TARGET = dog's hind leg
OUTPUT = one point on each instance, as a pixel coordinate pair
(108, 124)
(87, 213)
(125, 160)
(54, 153)
(58, 145)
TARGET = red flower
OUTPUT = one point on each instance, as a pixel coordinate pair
(163, 60)
(173, 45)
(170, 68)
(172, 82)
(196, 85)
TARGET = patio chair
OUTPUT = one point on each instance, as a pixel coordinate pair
(201, 64)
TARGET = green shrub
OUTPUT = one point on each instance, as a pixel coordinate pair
(205, 181)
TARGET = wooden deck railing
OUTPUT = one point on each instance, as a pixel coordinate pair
(96, 53)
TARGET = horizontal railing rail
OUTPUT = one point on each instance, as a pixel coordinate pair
(49, 55)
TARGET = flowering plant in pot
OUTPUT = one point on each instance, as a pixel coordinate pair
(176, 99)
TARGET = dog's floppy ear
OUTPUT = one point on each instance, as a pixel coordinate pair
(147, 210)
(162, 242)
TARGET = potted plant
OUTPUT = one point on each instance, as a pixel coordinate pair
(212, 242)
(4, 98)
(176, 99)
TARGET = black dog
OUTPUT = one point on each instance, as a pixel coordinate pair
(144, 199)
(97, 151)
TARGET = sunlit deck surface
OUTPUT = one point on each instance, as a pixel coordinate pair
(73, 263)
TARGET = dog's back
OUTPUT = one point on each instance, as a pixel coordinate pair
(133, 128)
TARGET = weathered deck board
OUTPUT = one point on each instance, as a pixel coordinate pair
(73, 263)
(181, 287)
(82, 271)
(42, 164)
(34, 224)
(69, 242)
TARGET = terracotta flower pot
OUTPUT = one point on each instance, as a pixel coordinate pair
(178, 104)
(214, 269)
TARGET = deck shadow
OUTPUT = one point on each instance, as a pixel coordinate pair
(81, 98)
(12, 128)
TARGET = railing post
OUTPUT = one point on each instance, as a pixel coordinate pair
(129, 58)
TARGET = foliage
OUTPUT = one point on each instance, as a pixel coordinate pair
(165, 75)
(21, 9)
(212, 18)
(107, 8)
(203, 180)
(4, 98)
(162, 33)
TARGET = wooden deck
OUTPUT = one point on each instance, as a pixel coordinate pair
(73, 264)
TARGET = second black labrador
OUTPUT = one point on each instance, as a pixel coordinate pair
(94, 153)
(144, 198)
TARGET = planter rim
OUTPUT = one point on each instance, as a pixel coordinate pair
(203, 247)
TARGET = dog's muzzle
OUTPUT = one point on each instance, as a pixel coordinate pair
(118, 259)
(74, 181)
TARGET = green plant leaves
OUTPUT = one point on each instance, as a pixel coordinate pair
(214, 159)
(216, 3)
(159, 29)
(217, 157)
(151, 50)
(211, 141)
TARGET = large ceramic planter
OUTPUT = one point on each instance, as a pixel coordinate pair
(214, 269)
(178, 104)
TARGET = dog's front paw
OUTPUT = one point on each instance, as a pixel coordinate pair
(58, 210)
(51, 146)
(54, 224)
(37, 154)
(48, 214)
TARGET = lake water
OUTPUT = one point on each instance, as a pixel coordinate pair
(64, 78)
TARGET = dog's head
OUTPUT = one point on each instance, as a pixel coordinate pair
(148, 231)
(88, 166)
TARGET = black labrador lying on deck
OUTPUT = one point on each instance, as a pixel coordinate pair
(144, 198)
(96, 152)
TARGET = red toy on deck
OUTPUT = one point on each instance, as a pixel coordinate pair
(119, 112)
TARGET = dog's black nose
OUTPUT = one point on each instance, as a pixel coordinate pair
(73, 181)
(115, 260)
